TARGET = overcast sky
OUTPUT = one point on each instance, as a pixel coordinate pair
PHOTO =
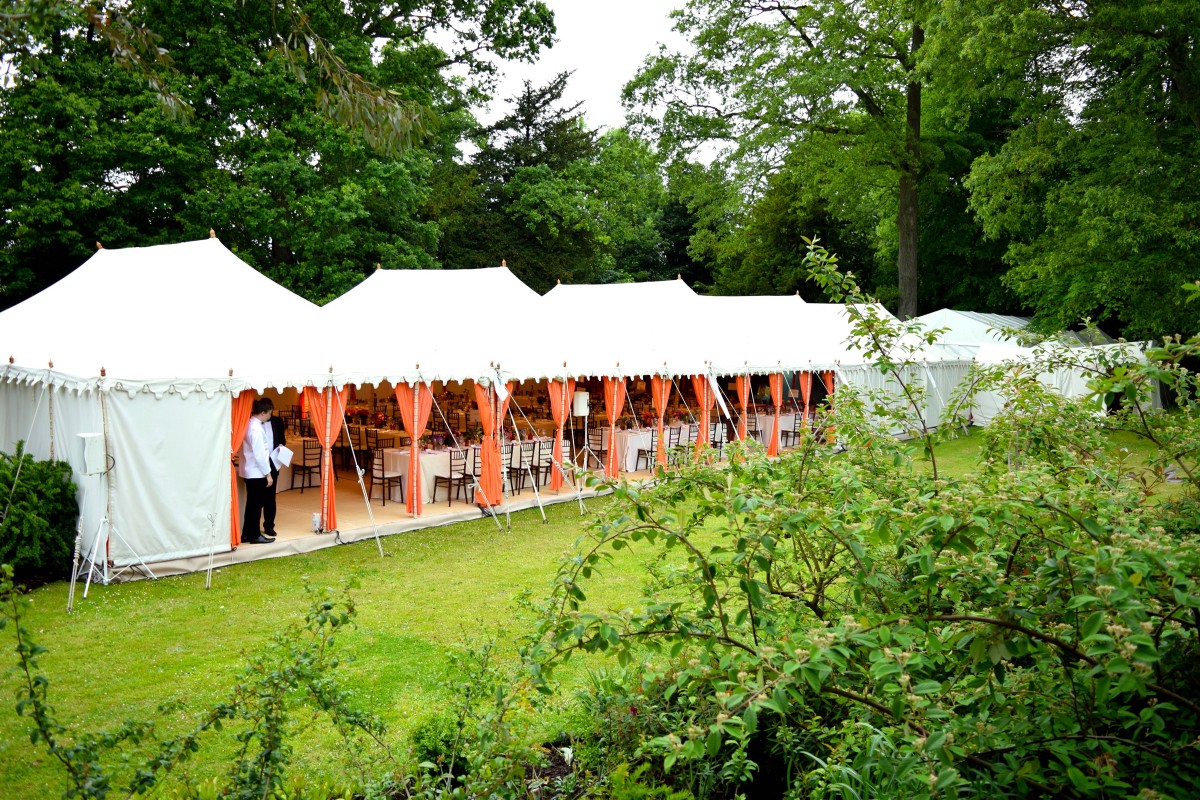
(604, 42)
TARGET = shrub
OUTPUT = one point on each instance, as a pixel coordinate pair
(437, 742)
(37, 529)
(1029, 630)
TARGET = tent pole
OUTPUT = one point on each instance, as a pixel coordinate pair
(528, 467)
(358, 473)
(578, 486)
(475, 485)
(75, 562)
(416, 410)
(212, 550)
(498, 428)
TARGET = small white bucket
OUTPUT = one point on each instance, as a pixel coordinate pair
(316, 525)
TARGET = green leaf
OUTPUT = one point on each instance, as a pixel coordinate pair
(712, 744)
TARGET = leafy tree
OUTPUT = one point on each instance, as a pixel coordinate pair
(303, 197)
(768, 77)
(1095, 193)
(764, 253)
(556, 200)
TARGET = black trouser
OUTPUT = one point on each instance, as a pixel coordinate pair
(256, 502)
(269, 504)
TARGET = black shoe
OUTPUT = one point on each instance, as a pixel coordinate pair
(258, 539)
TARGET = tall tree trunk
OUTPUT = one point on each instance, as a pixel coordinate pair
(906, 222)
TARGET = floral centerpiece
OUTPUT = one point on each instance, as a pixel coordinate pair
(379, 419)
(649, 420)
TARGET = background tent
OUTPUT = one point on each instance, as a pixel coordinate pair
(983, 338)
(762, 335)
(144, 348)
(971, 329)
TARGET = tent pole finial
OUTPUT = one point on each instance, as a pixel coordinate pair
(231, 372)
(504, 262)
(378, 265)
(12, 360)
(52, 363)
(212, 234)
(99, 246)
(103, 372)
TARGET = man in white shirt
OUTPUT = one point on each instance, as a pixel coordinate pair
(255, 468)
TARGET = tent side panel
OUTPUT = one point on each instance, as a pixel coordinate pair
(25, 417)
(170, 475)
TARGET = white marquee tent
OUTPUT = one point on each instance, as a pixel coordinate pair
(145, 349)
(986, 339)
(142, 348)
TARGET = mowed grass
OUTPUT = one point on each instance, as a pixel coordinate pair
(129, 647)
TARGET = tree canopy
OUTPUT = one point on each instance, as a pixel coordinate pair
(312, 199)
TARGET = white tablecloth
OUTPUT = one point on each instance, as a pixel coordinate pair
(630, 441)
(766, 422)
(434, 463)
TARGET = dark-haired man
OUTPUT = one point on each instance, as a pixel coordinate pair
(255, 468)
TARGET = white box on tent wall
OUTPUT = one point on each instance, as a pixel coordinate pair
(94, 461)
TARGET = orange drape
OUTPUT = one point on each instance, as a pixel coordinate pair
(705, 399)
(660, 393)
(561, 394)
(776, 381)
(326, 408)
(240, 408)
(805, 391)
(827, 379)
(490, 491)
(614, 401)
(415, 502)
(743, 390)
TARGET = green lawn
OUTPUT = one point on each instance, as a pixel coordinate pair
(129, 647)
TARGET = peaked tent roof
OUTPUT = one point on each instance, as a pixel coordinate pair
(621, 329)
(166, 317)
(431, 324)
(974, 328)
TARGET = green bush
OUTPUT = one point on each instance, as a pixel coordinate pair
(37, 530)
(871, 628)
(437, 740)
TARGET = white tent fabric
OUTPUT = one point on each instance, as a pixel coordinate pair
(981, 337)
(970, 329)
(448, 325)
(168, 324)
(168, 318)
(180, 329)
(619, 329)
